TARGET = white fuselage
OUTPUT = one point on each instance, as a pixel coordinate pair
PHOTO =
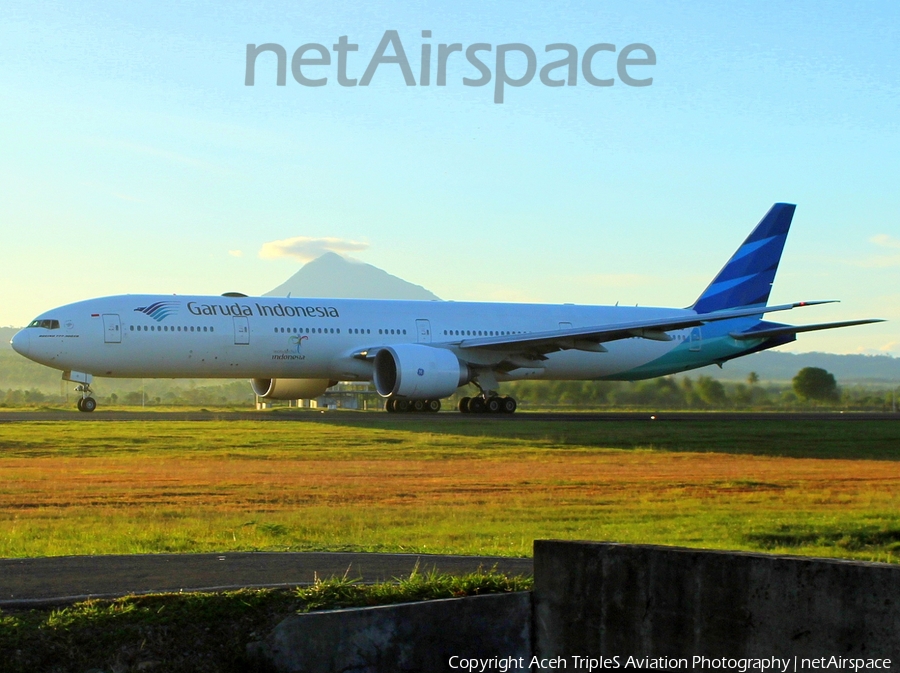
(167, 336)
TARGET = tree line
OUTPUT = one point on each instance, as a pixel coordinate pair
(811, 387)
(233, 393)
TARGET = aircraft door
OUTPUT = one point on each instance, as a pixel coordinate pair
(423, 329)
(112, 329)
(696, 339)
(241, 332)
(565, 325)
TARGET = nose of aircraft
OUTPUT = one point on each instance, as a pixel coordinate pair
(21, 342)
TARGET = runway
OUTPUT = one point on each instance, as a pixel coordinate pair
(34, 582)
(376, 418)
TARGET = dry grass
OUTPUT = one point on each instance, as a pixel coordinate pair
(79, 488)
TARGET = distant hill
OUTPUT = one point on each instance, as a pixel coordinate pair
(334, 276)
(6, 333)
(779, 366)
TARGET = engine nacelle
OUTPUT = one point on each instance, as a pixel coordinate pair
(290, 389)
(418, 371)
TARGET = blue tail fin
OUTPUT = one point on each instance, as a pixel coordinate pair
(746, 279)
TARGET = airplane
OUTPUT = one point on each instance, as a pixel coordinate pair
(417, 352)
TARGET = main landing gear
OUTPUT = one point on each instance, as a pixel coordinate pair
(403, 406)
(491, 404)
(86, 403)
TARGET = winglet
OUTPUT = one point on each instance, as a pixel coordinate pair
(746, 279)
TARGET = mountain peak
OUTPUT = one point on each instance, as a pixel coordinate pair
(333, 258)
(333, 275)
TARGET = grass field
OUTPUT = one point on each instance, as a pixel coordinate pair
(449, 485)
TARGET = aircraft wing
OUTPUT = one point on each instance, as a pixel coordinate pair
(593, 338)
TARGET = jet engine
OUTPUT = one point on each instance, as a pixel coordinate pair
(418, 371)
(290, 389)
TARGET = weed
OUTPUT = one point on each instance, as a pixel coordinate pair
(199, 632)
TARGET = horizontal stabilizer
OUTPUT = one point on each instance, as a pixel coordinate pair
(792, 329)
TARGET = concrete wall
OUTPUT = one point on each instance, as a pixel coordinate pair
(642, 600)
(406, 637)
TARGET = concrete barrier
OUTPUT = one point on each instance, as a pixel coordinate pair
(593, 599)
(405, 637)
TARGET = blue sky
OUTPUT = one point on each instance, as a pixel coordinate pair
(134, 159)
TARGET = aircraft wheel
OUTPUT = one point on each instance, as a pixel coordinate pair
(508, 405)
(389, 406)
(78, 403)
(433, 406)
(88, 404)
(464, 405)
(476, 405)
(418, 405)
(493, 405)
(401, 406)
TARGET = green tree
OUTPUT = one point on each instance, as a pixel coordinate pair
(133, 398)
(711, 391)
(743, 395)
(814, 383)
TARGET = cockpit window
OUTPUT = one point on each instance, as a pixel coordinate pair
(46, 324)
